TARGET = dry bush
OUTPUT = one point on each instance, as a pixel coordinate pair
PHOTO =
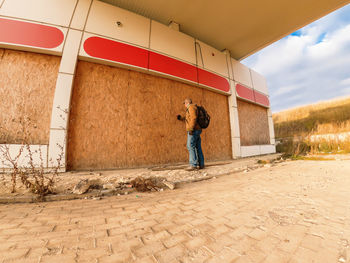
(292, 148)
(317, 128)
(34, 177)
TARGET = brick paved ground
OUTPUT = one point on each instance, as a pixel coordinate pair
(294, 212)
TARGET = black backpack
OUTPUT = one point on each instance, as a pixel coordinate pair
(203, 118)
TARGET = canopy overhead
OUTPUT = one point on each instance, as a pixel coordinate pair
(241, 26)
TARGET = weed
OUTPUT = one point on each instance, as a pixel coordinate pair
(23, 166)
(321, 128)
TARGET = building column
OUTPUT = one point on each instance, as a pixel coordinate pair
(64, 84)
(234, 124)
(271, 127)
(232, 104)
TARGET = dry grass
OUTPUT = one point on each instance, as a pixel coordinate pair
(321, 118)
(299, 126)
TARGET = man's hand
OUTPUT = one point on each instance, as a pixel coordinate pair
(190, 132)
(179, 117)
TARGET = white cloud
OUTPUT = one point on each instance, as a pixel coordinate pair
(310, 67)
(286, 90)
(345, 91)
(345, 82)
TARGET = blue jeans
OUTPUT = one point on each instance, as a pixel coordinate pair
(195, 149)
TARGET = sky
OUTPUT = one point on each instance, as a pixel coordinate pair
(310, 65)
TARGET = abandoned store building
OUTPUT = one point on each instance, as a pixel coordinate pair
(106, 84)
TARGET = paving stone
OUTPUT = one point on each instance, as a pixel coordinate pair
(170, 254)
(312, 242)
(14, 254)
(120, 257)
(257, 234)
(251, 217)
(58, 258)
(277, 256)
(149, 249)
(196, 242)
(225, 255)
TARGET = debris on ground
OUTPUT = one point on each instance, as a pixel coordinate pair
(80, 184)
(152, 183)
(84, 185)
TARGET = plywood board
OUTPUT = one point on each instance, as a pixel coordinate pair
(253, 124)
(216, 141)
(27, 86)
(123, 118)
(97, 125)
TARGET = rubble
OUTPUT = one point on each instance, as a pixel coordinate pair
(121, 182)
(84, 185)
(153, 183)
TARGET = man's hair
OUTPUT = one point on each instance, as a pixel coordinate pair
(189, 100)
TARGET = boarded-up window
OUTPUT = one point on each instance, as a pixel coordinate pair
(27, 87)
(124, 118)
(253, 124)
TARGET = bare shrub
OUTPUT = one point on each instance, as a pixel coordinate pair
(293, 147)
(22, 166)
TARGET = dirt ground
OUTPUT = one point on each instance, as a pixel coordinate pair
(297, 211)
(119, 181)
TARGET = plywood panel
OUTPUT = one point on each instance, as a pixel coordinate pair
(253, 124)
(123, 118)
(216, 141)
(27, 86)
(97, 125)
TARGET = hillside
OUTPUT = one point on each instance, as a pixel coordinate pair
(326, 117)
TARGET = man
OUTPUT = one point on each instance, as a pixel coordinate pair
(194, 131)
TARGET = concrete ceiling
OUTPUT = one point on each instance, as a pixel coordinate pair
(241, 26)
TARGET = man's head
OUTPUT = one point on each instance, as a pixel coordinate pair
(187, 102)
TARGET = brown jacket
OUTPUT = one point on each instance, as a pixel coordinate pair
(191, 118)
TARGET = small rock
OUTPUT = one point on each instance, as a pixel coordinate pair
(82, 187)
(342, 260)
(267, 165)
(108, 186)
(107, 191)
(170, 185)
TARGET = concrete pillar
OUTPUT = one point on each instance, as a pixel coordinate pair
(232, 104)
(64, 84)
(271, 127)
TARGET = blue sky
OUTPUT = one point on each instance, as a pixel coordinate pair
(309, 65)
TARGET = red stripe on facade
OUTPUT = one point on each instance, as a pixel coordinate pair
(261, 99)
(123, 53)
(213, 80)
(170, 66)
(244, 92)
(29, 34)
(115, 51)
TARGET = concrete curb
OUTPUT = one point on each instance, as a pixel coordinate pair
(61, 197)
